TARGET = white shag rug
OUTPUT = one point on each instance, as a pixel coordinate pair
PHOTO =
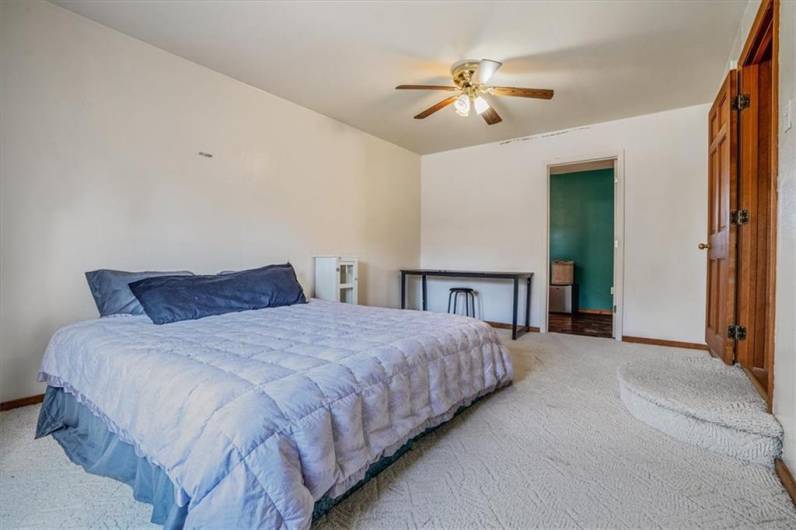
(701, 400)
(556, 449)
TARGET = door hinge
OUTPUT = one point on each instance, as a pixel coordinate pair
(736, 332)
(741, 102)
(739, 217)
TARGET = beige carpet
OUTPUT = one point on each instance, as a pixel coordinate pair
(702, 401)
(556, 449)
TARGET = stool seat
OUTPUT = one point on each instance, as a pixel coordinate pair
(469, 299)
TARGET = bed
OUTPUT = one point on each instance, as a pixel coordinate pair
(258, 418)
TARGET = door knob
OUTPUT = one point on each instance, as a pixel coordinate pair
(704, 246)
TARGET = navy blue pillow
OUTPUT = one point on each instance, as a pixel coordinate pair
(169, 299)
(112, 294)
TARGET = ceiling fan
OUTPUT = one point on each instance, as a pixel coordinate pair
(470, 78)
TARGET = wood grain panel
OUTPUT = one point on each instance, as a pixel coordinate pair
(722, 199)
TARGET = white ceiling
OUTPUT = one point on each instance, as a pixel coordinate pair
(604, 59)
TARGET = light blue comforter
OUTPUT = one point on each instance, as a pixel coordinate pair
(256, 415)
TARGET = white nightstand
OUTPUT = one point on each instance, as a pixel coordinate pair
(336, 279)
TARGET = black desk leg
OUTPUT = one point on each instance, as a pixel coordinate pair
(425, 292)
(514, 312)
(403, 290)
(528, 305)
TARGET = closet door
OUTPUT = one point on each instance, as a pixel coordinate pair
(722, 200)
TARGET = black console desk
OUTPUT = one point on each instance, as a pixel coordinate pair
(493, 275)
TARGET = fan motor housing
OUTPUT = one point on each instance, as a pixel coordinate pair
(463, 71)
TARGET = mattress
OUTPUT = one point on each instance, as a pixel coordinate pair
(255, 416)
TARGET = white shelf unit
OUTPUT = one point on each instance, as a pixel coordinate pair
(336, 279)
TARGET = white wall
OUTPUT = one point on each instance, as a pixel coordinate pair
(785, 345)
(485, 207)
(99, 141)
(747, 19)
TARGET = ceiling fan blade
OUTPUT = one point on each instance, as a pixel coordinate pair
(486, 69)
(425, 87)
(539, 93)
(491, 116)
(435, 107)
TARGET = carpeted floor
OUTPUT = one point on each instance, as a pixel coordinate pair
(556, 449)
(704, 402)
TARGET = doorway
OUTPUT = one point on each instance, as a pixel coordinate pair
(581, 248)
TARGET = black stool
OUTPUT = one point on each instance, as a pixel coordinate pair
(469, 296)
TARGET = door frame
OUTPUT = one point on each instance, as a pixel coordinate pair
(618, 158)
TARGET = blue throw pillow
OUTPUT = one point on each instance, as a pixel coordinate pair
(174, 298)
(113, 295)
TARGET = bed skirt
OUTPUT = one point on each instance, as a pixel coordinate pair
(87, 442)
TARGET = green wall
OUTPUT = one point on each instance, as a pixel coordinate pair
(582, 229)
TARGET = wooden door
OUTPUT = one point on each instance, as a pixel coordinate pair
(757, 199)
(754, 179)
(722, 200)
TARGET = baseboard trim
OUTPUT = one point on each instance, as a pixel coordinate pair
(786, 478)
(503, 325)
(21, 402)
(663, 342)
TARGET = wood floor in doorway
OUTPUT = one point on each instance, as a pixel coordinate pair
(589, 325)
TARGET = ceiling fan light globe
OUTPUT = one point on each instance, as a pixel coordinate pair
(486, 69)
(480, 105)
(462, 105)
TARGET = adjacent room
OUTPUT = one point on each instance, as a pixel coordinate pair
(581, 248)
(381, 265)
